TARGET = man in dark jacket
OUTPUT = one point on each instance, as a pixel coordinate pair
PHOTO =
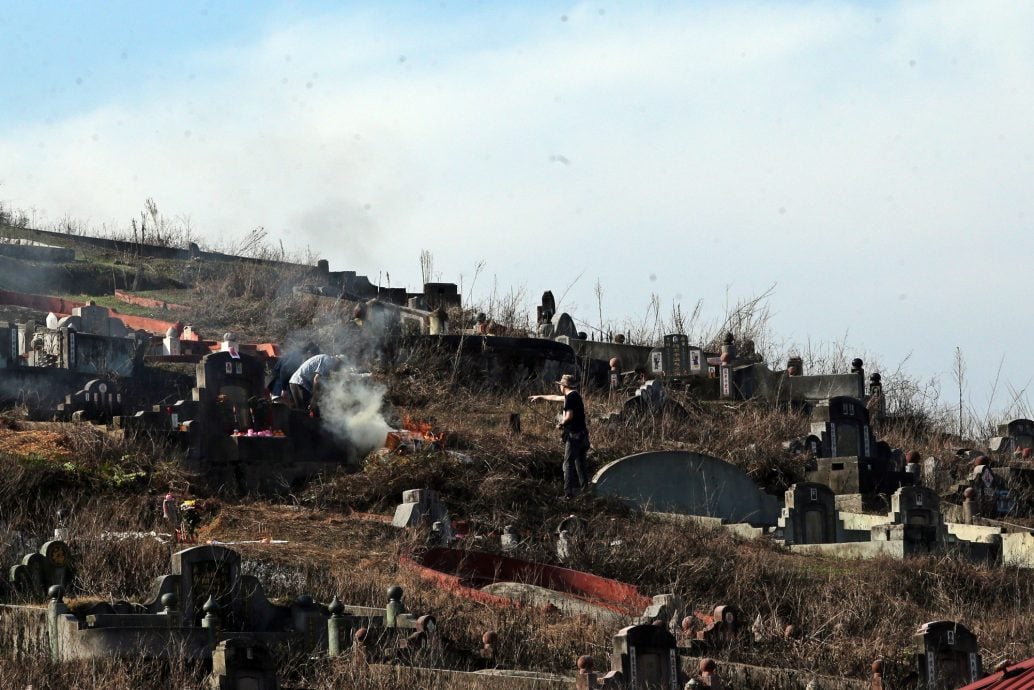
(286, 366)
(575, 434)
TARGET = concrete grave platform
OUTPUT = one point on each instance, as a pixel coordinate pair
(687, 483)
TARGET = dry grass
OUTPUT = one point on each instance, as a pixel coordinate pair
(846, 613)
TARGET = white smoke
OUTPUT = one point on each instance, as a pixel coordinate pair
(351, 409)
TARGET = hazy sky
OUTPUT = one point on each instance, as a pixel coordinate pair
(874, 161)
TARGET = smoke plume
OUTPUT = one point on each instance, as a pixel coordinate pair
(350, 407)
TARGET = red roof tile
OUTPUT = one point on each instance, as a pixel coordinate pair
(1016, 677)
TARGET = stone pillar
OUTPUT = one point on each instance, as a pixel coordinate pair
(335, 627)
(55, 609)
(969, 505)
(169, 603)
(913, 468)
(795, 366)
(394, 607)
(877, 675)
(489, 641)
(586, 679)
(171, 342)
(709, 674)
(438, 322)
(211, 621)
(728, 356)
(877, 403)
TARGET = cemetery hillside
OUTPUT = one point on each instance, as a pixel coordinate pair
(232, 467)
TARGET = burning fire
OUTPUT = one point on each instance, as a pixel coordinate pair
(413, 436)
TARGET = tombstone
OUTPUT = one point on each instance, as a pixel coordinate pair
(948, 655)
(687, 483)
(915, 519)
(209, 571)
(850, 459)
(171, 342)
(98, 401)
(810, 515)
(546, 310)
(421, 507)
(667, 608)
(987, 495)
(94, 320)
(242, 663)
(225, 384)
(509, 539)
(647, 658)
(680, 359)
(1014, 436)
(38, 572)
(842, 424)
(563, 326)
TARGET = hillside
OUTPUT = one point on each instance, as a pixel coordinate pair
(329, 535)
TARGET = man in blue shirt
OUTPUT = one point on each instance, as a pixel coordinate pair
(305, 381)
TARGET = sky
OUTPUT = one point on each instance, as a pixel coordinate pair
(869, 162)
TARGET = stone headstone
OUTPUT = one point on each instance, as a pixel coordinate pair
(38, 572)
(230, 382)
(948, 655)
(208, 571)
(916, 519)
(809, 515)
(679, 358)
(647, 658)
(93, 319)
(687, 483)
(421, 507)
(563, 325)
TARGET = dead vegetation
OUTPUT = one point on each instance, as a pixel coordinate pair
(844, 614)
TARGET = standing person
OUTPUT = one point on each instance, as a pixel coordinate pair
(305, 381)
(575, 434)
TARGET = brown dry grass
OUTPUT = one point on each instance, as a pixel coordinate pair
(846, 613)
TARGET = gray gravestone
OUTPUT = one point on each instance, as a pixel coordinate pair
(687, 483)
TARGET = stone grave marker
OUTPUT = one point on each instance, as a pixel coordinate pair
(40, 571)
(948, 655)
(1013, 437)
(422, 507)
(242, 663)
(647, 658)
(209, 571)
(809, 515)
(915, 519)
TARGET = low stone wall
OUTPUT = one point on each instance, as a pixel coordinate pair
(740, 529)
(1018, 549)
(23, 630)
(745, 677)
(861, 549)
(435, 679)
(971, 532)
(862, 521)
(130, 298)
(33, 252)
